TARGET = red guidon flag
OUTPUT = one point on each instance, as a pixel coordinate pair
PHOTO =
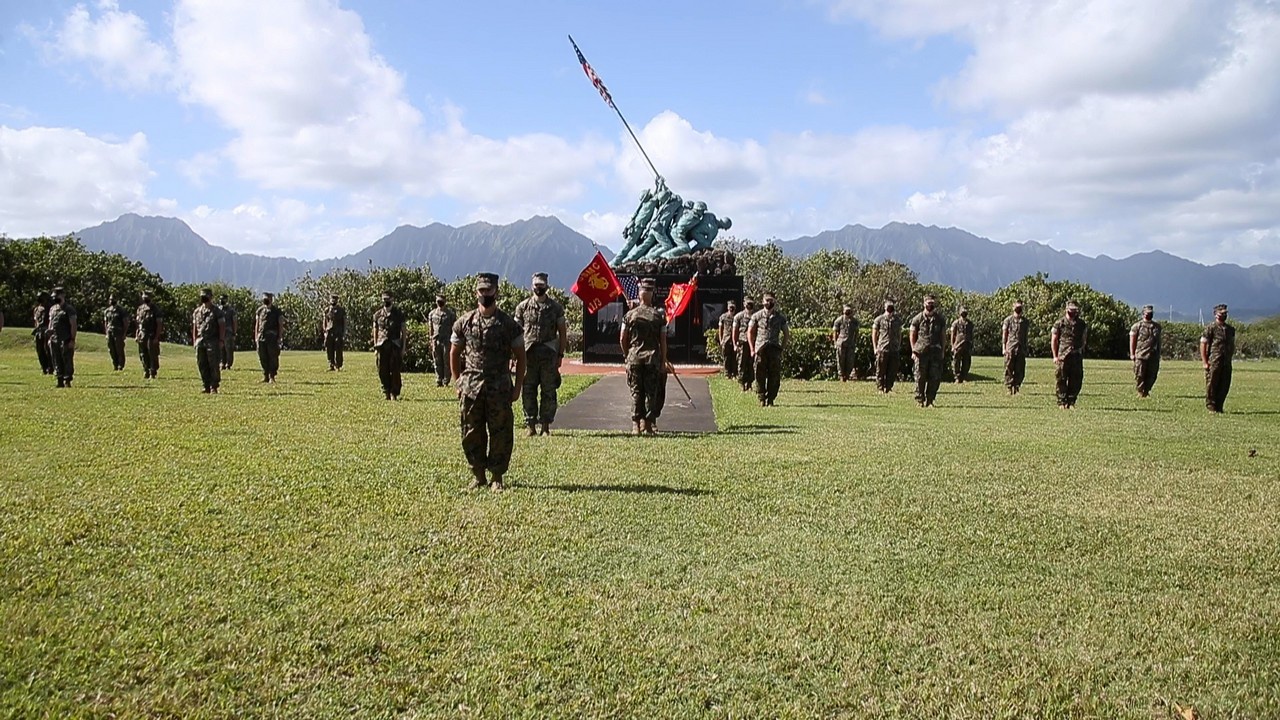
(596, 286)
(681, 294)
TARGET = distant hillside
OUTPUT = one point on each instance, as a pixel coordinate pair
(169, 247)
(960, 259)
(944, 255)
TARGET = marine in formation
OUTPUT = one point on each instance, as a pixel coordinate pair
(545, 337)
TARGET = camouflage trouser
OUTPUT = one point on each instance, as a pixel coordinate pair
(42, 353)
(648, 384)
(541, 380)
(844, 358)
(488, 431)
(928, 374)
(64, 359)
(886, 370)
(730, 360)
(149, 354)
(229, 351)
(115, 345)
(207, 361)
(1217, 382)
(1015, 370)
(961, 359)
(390, 359)
(768, 372)
(746, 365)
(1145, 371)
(440, 358)
(269, 355)
(333, 349)
(1070, 376)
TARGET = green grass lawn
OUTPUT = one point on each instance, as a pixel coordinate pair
(308, 550)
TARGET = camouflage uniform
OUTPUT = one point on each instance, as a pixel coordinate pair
(931, 337)
(441, 322)
(746, 363)
(116, 322)
(727, 348)
(1146, 354)
(540, 317)
(488, 344)
(61, 342)
(1069, 370)
(845, 330)
(335, 334)
(229, 346)
(770, 325)
(268, 319)
(388, 342)
(1220, 341)
(148, 320)
(40, 331)
(1015, 329)
(205, 320)
(961, 348)
(888, 327)
(646, 376)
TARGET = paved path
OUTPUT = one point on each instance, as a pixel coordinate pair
(606, 406)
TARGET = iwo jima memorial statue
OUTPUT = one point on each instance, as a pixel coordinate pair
(669, 240)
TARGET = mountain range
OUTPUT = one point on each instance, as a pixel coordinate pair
(1177, 287)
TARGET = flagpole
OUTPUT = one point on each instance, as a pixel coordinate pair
(608, 98)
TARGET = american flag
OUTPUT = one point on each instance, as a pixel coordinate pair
(595, 79)
(630, 286)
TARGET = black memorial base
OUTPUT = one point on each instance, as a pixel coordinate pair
(686, 336)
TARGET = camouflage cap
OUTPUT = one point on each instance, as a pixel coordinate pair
(487, 281)
(1148, 308)
(539, 278)
(648, 284)
(1221, 307)
(1073, 305)
(206, 292)
(1017, 303)
(333, 296)
(439, 298)
(268, 295)
(146, 294)
(387, 293)
(59, 290)
(749, 302)
(964, 310)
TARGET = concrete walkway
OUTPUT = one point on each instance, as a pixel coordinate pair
(606, 406)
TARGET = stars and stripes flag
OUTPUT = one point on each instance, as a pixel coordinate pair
(591, 74)
(630, 286)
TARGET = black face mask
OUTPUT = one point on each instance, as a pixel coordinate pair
(1017, 311)
(386, 302)
(769, 304)
(206, 299)
(439, 303)
(539, 291)
(488, 300)
(1147, 316)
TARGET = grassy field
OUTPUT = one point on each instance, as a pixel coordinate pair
(308, 550)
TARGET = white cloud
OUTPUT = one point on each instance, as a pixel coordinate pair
(55, 180)
(115, 45)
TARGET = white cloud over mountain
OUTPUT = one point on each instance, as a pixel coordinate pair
(1105, 127)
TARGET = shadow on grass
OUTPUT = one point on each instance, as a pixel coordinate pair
(641, 488)
(1253, 412)
(830, 405)
(1133, 409)
(761, 430)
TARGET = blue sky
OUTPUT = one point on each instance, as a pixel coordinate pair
(311, 128)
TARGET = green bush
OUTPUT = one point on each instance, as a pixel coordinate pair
(417, 347)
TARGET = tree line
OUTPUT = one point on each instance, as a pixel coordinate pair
(810, 290)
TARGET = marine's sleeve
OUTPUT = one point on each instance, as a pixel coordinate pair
(458, 335)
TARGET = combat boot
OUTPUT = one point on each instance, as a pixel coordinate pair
(533, 430)
(639, 427)
(649, 428)
(546, 428)
(497, 484)
(479, 479)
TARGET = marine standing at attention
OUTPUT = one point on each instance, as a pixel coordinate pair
(485, 341)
